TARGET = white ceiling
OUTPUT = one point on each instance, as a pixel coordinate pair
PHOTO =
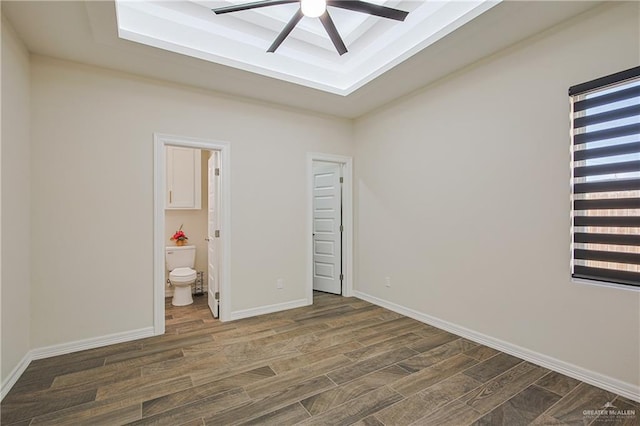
(307, 56)
(87, 32)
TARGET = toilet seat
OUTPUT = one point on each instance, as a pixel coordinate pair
(182, 276)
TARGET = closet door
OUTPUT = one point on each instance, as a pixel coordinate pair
(327, 229)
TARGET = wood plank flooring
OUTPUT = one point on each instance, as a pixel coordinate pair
(341, 361)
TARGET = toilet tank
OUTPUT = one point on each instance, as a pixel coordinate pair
(180, 257)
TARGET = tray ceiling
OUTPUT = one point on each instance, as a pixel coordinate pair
(307, 57)
(86, 32)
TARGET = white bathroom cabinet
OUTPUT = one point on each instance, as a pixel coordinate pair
(183, 189)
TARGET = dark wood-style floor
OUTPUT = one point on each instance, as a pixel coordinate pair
(341, 361)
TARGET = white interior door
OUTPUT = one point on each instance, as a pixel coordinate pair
(213, 240)
(327, 224)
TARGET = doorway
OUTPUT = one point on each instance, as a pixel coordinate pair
(330, 230)
(327, 227)
(215, 233)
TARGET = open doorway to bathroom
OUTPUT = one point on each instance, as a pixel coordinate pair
(191, 224)
(190, 232)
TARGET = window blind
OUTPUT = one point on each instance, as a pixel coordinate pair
(605, 178)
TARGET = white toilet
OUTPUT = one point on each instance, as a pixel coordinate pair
(180, 263)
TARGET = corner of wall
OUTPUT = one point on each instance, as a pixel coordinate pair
(15, 198)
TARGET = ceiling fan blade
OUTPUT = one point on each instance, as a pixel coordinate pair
(328, 24)
(285, 32)
(253, 5)
(370, 8)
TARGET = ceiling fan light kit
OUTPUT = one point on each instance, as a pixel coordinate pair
(313, 8)
(318, 9)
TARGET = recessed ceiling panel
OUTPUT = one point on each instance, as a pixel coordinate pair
(307, 56)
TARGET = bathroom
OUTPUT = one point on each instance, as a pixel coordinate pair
(187, 210)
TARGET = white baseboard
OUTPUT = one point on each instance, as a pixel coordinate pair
(65, 348)
(15, 374)
(628, 390)
(91, 343)
(269, 309)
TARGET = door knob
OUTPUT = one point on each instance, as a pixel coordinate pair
(207, 239)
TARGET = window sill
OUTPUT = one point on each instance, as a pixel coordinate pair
(605, 284)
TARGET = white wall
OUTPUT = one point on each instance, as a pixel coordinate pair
(16, 200)
(463, 199)
(194, 224)
(93, 194)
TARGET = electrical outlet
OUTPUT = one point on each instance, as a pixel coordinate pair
(280, 284)
(387, 281)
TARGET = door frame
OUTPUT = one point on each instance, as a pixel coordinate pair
(347, 220)
(160, 141)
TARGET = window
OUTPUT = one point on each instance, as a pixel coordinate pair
(605, 179)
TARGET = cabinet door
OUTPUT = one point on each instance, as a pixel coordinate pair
(183, 178)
